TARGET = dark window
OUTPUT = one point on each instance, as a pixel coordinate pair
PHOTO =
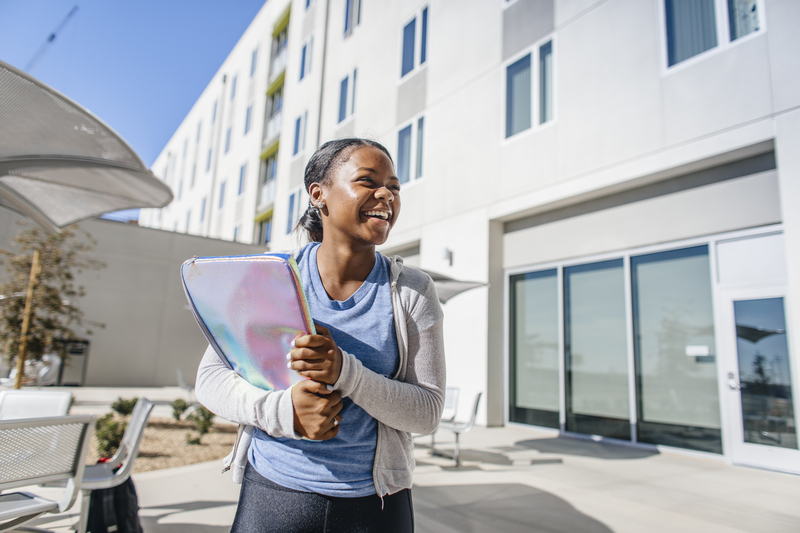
(343, 99)
(409, 34)
(518, 96)
(691, 28)
(423, 53)
(404, 154)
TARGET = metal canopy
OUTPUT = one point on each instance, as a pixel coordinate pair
(447, 287)
(59, 163)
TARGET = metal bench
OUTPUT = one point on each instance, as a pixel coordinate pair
(41, 450)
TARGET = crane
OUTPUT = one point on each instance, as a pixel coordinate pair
(42, 49)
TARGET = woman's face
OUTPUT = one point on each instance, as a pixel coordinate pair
(362, 199)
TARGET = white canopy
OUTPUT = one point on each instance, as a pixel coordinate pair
(59, 163)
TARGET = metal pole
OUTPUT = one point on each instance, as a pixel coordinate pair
(26, 322)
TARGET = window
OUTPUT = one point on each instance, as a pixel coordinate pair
(546, 82)
(227, 140)
(265, 231)
(221, 195)
(293, 202)
(409, 151)
(695, 26)
(236, 232)
(520, 94)
(347, 96)
(247, 116)
(194, 173)
(411, 59)
(180, 189)
(742, 18)
(242, 176)
(270, 169)
(188, 219)
(352, 15)
(275, 103)
(208, 160)
(253, 62)
(199, 130)
(203, 209)
(661, 388)
(305, 58)
(300, 133)
(213, 117)
(233, 87)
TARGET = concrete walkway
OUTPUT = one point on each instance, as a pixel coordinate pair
(519, 480)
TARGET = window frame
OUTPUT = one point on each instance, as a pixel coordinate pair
(724, 41)
(417, 64)
(306, 55)
(248, 117)
(299, 137)
(349, 98)
(534, 50)
(352, 16)
(415, 163)
(254, 61)
(242, 179)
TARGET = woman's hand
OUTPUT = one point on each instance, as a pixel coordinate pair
(316, 410)
(317, 357)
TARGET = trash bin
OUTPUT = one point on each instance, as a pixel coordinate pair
(73, 371)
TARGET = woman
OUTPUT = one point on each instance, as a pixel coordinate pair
(376, 368)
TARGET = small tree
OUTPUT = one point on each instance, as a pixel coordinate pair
(53, 310)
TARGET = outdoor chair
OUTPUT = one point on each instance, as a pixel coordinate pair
(16, 404)
(48, 373)
(450, 409)
(41, 450)
(185, 386)
(103, 475)
(458, 428)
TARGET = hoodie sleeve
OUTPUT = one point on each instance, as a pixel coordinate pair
(414, 402)
(225, 393)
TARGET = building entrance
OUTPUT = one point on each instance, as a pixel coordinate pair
(758, 383)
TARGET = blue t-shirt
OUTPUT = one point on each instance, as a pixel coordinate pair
(362, 325)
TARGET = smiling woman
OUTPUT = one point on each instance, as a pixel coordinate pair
(334, 452)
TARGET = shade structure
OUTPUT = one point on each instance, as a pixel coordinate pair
(59, 163)
(447, 287)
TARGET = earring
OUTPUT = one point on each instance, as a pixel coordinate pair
(321, 205)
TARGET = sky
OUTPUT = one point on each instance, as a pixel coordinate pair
(138, 65)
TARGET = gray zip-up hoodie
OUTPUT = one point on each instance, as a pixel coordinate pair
(410, 402)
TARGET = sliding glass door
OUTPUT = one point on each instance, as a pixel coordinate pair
(596, 350)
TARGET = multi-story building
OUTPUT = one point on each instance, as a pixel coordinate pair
(623, 174)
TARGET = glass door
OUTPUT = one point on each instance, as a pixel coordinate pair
(760, 391)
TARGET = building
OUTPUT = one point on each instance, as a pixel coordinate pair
(623, 173)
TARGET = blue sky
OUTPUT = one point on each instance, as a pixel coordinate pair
(138, 65)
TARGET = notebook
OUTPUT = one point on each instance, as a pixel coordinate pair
(250, 308)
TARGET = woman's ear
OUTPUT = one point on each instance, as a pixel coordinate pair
(315, 194)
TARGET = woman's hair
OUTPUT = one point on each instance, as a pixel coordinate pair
(328, 158)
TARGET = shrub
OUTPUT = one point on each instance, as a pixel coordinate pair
(109, 431)
(203, 419)
(124, 407)
(192, 440)
(179, 407)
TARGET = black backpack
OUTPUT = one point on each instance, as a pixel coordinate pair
(114, 510)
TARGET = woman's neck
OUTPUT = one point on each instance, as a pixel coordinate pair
(343, 269)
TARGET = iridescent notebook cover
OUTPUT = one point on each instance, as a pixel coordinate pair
(250, 308)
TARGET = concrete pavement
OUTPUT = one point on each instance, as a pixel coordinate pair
(518, 479)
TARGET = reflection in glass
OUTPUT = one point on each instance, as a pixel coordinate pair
(742, 17)
(764, 374)
(534, 396)
(678, 399)
(596, 349)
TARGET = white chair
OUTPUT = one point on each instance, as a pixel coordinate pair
(185, 386)
(450, 409)
(102, 475)
(48, 373)
(41, 450)
(458, 428)
(16, 404)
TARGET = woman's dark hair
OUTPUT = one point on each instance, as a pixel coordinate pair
(329, 157)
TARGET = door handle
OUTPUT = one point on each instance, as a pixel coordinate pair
(735, 385)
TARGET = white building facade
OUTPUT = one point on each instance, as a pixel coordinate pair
(622, 173)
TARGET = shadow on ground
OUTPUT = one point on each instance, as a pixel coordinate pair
(585, 448)
(151, 523)
(509, 508)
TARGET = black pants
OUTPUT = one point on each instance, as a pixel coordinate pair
(266, 507)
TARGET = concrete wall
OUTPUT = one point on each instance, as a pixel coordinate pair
(149, 331)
